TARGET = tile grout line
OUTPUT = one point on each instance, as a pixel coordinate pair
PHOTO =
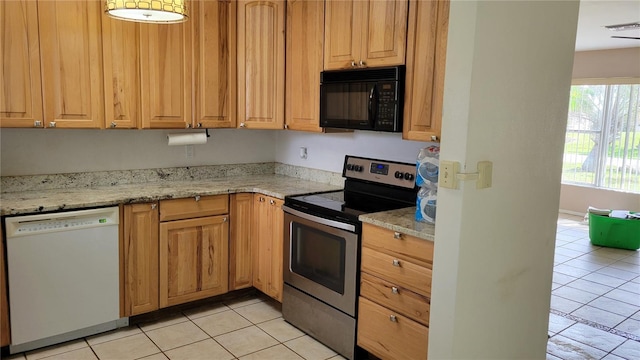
(595, 325)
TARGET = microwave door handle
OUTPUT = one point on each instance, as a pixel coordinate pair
(373, 105)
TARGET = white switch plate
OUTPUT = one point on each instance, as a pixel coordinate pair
(188, 151)
(485, 173)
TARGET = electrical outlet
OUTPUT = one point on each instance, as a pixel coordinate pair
(448, 172)
(188, 151)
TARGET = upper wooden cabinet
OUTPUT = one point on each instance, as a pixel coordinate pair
(20, 91)
(261, 54)
(172, 75)
(426, 58)
(364, 33)
(52, 64)
(213, 26)
(165, 75)
(305, 34)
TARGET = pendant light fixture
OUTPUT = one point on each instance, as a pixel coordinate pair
(148, 11)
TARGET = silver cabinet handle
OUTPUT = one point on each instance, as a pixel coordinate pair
(199, 125)
(393, 318)
(353, 63)
(154, 206)
(272, 202)
(396, 262)
(187, 126)
(397, 235)
(243, 125)
(113, 124)
(434, 138)
(197, 197)
(261, 199)
(394, 290)
(225, 219)
(37, 123)
(362, 63)
(52, 124)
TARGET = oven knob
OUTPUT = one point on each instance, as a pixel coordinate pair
(349, 166)
(408, 176)
(399, 175)
(358, 168)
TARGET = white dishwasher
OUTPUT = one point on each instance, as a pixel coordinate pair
(63, 276)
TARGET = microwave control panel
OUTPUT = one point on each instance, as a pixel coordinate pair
(387, 103)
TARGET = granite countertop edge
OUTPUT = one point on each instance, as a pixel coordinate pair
(401, 220)
(41, 201)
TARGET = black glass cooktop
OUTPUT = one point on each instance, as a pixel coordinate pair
(343, 205)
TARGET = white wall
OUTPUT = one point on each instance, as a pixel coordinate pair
(48, 151)
(506, 97)
(327, 151)
(53, 151)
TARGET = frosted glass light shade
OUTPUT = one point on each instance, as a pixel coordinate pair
(149, 11)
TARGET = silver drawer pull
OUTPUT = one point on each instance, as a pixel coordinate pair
(225, 219)
(154, 206)
(393, 318)
(272, 202)
(397, 235)
(396, 262)
(394, 289)
(197, 197)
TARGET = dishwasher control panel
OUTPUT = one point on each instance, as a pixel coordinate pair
(64, 221)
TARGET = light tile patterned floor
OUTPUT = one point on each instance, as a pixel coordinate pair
(595, 302)
(595, 314)
(245, 329)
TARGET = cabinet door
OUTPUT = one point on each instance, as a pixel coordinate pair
(120, 44)
(214, 63)
(343, 33)
(165, 75)
(139, 253)
(268, 238)
(261, 64)
(71, 56)
(240, 262)
(4, 300)
(20, 91)
(385, 29)
(194, 259)
(305, 33)
(426, 57)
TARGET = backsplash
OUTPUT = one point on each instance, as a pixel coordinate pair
(122, 177)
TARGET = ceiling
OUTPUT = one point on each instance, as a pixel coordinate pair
(595, 14)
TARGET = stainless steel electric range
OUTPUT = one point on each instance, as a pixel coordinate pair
(322, 247)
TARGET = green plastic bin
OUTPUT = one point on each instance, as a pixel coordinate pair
(614, 232)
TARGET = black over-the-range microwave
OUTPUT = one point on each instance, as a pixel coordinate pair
(362, 99)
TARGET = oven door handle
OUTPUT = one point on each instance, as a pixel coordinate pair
(320, 220)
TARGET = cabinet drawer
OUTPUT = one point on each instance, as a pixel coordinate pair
(401, 338)
(396, 298)
(405, 246)
(405, 273)
(193, 207)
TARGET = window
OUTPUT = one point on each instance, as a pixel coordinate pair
(602, 142)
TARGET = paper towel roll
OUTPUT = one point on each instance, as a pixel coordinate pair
(187, 139)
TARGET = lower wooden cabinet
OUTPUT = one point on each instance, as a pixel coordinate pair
(4, 300)
(194, 252)
(139, 259)
(389, 335)
(267, 240)
(240, 262)
(395, 290)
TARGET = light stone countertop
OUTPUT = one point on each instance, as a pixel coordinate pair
(401, 220)
(45, 200)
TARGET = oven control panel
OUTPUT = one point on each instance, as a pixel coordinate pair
(380, 171)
